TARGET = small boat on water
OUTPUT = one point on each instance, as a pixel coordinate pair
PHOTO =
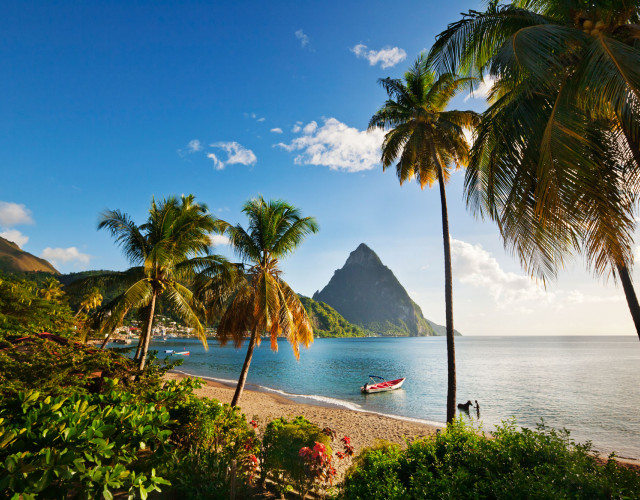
(168, 351)
(182, 353)
(374, 385)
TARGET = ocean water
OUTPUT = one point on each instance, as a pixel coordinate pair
(589, 385)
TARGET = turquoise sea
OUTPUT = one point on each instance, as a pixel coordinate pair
(589, 385)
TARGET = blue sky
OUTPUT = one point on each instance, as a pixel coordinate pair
(106, 104)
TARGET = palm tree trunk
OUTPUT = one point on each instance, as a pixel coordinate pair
(448, 300)
(147, 336)
(630, 293)
(245, 368)
(106, 339)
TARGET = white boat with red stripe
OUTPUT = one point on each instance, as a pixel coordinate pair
(379, 384)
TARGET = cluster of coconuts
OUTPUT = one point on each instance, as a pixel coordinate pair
(593, 29)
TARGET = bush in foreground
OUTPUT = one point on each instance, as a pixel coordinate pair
(281, 446)
(90, 444)
(514, 464)
(215, 443)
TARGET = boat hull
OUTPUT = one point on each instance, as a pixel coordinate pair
(390, 385)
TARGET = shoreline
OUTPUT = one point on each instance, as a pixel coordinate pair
(363, 427)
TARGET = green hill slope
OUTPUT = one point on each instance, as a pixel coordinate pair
(327, 322)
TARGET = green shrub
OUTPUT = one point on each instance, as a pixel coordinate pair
(459, 463)
(23, 308)
(210, 437)
(281, 445)
(89, 444)
(65, 367)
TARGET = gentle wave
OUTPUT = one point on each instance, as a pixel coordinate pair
(319, 400)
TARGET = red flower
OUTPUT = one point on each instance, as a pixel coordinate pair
(254, 424)
(319, 447)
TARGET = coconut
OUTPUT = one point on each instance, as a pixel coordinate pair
(600, 25)
(588, 24)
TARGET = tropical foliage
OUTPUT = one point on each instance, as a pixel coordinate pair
(327, 322)
(90, 443)
(166, 251)
(427, 141)
(67, 428)
(92, 300)
(282, 444)
(24, 309)
(556, 161)
(515, 463)
(261, 301)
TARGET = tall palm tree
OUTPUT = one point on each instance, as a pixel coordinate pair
(261, 301)
(557, 159)
(427, 141)
(166, 251)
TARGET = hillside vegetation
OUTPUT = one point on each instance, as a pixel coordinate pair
(327, 322)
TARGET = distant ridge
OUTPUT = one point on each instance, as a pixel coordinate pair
(367, 293)
(441, 329)
(15, 260)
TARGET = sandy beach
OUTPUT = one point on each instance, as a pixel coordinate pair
(363, 428)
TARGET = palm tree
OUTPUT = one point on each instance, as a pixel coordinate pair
(557, 158)
(167, 250)
(51, 290)
(92, 300)
(261, 301)
(427, 142)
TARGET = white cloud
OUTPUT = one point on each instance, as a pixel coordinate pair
(387, 57)
(71, 254)
(194, 146)
(255, 117)
(13, 214)
(304, 39)
(219, 239)
(236, 153)
(475, 266)
(276, 130)
(297, 127)
(483, 89)
(337, 146)
(16, 236)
